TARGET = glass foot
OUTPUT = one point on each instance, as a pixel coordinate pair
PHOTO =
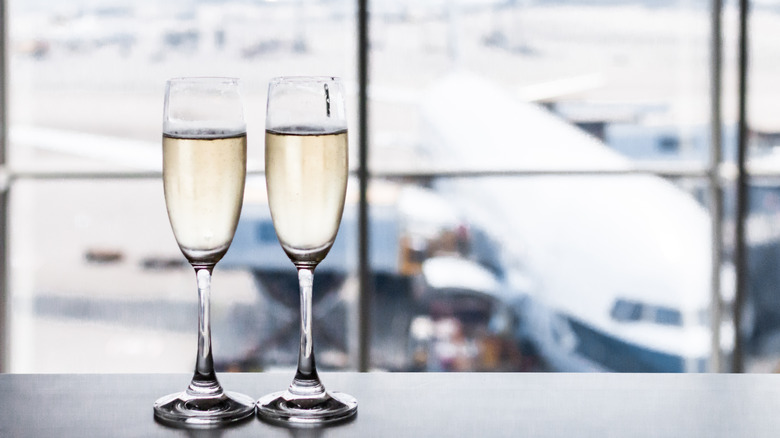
(183, 410)
(282, 407)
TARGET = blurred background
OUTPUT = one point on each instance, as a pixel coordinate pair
(540, 192)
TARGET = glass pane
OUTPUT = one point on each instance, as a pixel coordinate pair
(556, 273)
(99, 285)
(94, 267)
(633, 75)
(596, 273)
(99, 67)
(276, 319)
(761, 311)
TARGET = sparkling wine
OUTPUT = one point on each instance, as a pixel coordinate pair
(306, 173)
(203, 179)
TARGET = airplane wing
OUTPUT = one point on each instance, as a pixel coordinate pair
(119, 152)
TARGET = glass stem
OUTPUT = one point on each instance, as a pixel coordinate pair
(204, 382)
(306, 382)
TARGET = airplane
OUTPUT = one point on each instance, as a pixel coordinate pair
(622, 261)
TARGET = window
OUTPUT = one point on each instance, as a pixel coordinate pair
(634, 311)
(541, 158)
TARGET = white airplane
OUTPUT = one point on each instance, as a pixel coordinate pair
(620, 263)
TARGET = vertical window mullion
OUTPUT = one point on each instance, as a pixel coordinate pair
(4, 193)
(714, 184)
(365, 285)
(740, 249)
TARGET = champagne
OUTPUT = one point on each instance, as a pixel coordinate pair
(306, 174)
(203, 179)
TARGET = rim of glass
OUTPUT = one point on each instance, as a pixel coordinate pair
(197, 79)
(299, 79)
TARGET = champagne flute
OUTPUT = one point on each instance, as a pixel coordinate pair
(306, 176)
(204, 172)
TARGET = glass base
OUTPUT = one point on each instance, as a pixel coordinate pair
(183, 410)
(283, 408)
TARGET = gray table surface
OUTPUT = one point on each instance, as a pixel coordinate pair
(417, 405)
